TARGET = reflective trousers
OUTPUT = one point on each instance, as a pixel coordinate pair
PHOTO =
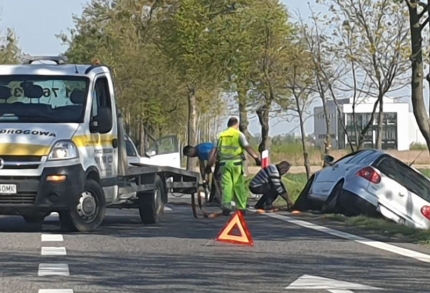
(233, 184)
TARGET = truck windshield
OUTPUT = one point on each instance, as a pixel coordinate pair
(42, 99)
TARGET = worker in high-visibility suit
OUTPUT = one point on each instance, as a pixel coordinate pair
(230, 155)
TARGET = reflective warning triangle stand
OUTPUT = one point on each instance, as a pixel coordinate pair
(237, 220)
(265, 160)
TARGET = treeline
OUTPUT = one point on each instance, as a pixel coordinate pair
(10, 52)
(180, 65)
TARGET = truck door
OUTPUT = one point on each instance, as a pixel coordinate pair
(165, 152)
(105, 154)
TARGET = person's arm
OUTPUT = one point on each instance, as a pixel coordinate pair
(245, 144)
(277, 183)
(212, 158)
(202, 169)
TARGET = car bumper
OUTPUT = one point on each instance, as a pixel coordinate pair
(41, 194)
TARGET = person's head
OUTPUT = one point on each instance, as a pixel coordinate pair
(189, 151)
(283, 167)
(233, 122)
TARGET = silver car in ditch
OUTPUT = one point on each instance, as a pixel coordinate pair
(369, 182)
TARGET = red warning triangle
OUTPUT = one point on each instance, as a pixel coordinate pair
(236, 221)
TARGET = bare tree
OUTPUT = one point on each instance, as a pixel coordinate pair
(377, 35)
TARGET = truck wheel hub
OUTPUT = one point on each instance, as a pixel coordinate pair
(87, 205)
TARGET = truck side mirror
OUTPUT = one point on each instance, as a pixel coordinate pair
(103, 122)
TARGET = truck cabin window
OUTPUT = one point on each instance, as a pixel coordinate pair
(42, 99)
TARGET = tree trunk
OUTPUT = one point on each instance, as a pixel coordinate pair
(417, 95)
(327, 142)
(380, 124)
(192, 125)
(263, 117)
(303, 138)
(243, 120)
(142, 146)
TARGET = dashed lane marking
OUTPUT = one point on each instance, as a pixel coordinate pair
(53, 269)
(376, 244)
(53, 251)
(55, 291)
(52, 237)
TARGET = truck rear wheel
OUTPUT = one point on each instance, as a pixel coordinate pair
(89, 210)
(151, 204)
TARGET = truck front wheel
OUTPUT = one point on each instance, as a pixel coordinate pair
(88, 211)
(151, 204)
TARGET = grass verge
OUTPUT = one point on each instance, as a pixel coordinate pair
(383, 227)
(296, 182)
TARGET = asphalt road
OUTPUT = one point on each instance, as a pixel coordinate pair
(179, 255)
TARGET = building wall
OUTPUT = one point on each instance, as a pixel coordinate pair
(403, 121)
(407, 128)
(414, 132)
(320, 125)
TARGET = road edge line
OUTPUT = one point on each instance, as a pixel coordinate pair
(362, 240)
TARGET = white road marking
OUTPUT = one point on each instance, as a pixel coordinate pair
(376, 244)
(55, 291)
(53, 269)
(53, 251)
(51, 237)
(167, 208)
(309, 283)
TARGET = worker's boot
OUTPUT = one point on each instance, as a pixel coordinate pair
(225, 210)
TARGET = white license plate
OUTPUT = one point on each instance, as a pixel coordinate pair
(7, 188)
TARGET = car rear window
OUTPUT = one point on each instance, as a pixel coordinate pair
(404, 175)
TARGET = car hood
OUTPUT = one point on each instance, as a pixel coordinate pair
(18, 139)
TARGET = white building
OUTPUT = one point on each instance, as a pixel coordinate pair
(400, 129)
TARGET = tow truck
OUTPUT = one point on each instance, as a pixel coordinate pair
(63, 148)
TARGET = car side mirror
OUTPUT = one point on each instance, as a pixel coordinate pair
(328, 160)
(103, 122)
(151, 153)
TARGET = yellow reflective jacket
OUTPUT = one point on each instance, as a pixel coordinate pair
(229, 147)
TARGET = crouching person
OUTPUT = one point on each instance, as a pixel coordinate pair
(268, 183)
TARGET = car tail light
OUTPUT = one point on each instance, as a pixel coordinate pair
(425, 210)
(370, 174)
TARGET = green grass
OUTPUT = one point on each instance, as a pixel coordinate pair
(384, 227)
(296, 182)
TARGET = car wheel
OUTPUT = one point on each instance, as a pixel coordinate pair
(151, 205)
(332, 203)
(89, 210)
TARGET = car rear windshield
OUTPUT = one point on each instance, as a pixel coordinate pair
(42, 98)
(404, 175)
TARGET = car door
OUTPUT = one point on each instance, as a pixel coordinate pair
(403, 192)
(165, 152)
(105, 154)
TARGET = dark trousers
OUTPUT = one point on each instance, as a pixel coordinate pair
(269, 195)
(216, 185)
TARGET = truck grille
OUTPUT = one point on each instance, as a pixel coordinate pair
(20, 198)
(20, 162)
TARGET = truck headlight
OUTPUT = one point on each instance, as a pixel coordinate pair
(63, 150)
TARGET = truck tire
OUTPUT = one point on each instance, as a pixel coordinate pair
(89, 210)
(151, 205)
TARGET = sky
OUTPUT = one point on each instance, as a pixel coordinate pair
(37, 22)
